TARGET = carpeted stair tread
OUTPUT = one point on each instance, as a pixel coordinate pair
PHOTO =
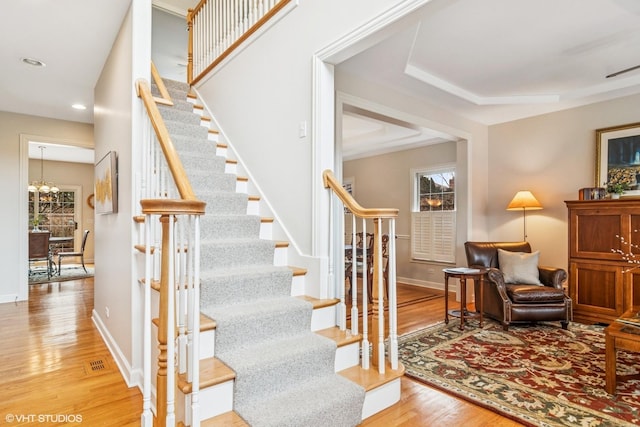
(236, 252)
(180, 104)
(194, 145)
(262, 371)
(259, 320)
(177, 85)
(170, 113)
(203, 162)
(242, 284)
(174, 92)
(326, 401)
(186, 129)
(227, 226)
(222, 202)
(219, 181)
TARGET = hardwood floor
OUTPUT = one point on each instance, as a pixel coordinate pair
(56, 370)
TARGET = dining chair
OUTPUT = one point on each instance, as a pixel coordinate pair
(39, 250)
(74, 254)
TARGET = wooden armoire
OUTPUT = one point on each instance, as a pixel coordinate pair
(602, 283)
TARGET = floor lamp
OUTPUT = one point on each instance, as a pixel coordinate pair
(526, 201)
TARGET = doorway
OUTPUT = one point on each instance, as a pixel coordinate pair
(70, 164)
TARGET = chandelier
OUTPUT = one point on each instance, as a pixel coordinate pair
(42, 186)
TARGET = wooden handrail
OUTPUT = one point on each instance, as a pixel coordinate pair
(330, 181)
(164, 98)
(172, 207)
(170, 153)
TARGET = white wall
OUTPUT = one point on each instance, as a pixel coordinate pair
(13, 256)
(553, 155)
(261, 96)
(118, 128)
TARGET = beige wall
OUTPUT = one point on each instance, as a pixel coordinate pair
(76, 174)
(384, 182)
(13, 258)
(553, 155)
(113, 253)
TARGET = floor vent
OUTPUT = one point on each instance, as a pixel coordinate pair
(96, 366)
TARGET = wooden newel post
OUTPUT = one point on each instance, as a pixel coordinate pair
(163, 365)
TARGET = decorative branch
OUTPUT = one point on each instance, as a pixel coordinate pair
(628, 255)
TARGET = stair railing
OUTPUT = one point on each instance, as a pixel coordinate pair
(172, 265)
(342, 204)
(218, 27)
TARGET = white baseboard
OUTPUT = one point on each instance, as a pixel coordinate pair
(132, 379)
(9, 298)
(453, 287)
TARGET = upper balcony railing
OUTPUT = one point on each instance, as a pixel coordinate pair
(217, 27)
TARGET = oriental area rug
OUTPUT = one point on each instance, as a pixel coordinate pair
(538, 375)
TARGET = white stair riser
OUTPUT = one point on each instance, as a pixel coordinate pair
(266, 230)
(253, 207)
(207, 344)
(347, 356)
(323, 318)
(381, 398)
(214, 400)
(231, 168)
(280, 256)
(297, 286)
(242, 186)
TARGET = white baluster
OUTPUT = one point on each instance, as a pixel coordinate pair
(195, 353)
(393, 309)
(365, 300)
(171, 320)
(354, 279)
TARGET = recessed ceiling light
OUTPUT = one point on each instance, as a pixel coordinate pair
(34, 62)
(79, 107)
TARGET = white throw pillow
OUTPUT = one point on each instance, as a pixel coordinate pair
(519, 267)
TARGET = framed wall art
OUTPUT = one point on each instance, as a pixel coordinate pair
(618, 157)
(106, 184)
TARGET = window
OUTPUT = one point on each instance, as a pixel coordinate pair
(55, 212)
(433, 217)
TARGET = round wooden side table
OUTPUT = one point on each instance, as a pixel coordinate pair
(463, 274)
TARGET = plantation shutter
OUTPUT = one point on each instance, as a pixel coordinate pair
(433, 236)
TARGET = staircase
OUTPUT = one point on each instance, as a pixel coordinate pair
(269, 356)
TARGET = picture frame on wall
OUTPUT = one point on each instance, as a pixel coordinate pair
(106, 184)
(618, 157)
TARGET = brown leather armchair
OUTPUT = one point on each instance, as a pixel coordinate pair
(513, 302)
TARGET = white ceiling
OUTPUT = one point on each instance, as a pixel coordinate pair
(499, 60)
(490, 61)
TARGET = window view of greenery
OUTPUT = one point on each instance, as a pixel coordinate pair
(437, 191)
